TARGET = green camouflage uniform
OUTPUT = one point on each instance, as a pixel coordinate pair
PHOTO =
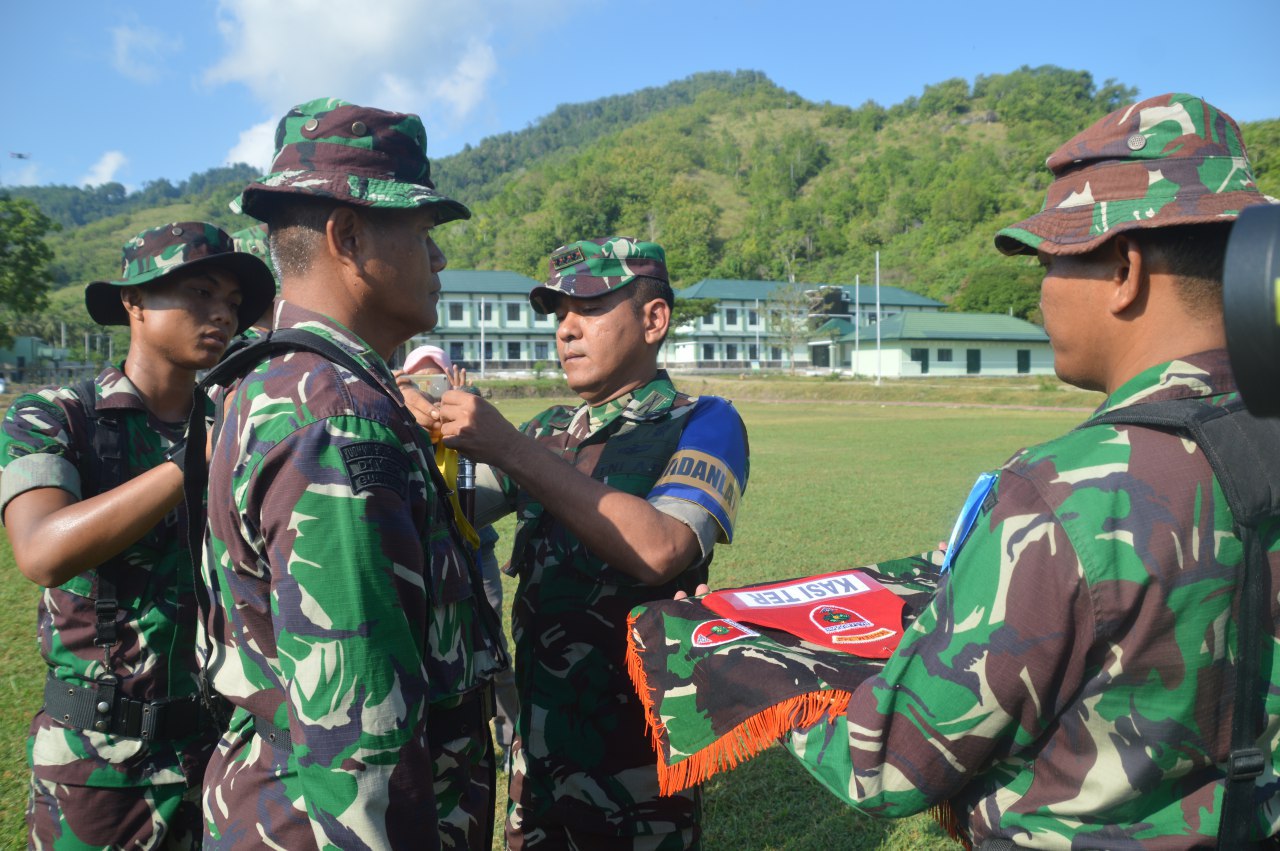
(582, 760)
(349, 617)
(149, 789)
(1071, 684)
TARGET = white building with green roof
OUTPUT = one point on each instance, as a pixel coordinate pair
(935, 344)
(486, 322)
(748, 327)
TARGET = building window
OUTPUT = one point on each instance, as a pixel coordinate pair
(921, 356)
(973, 361)
(488, 350)
(455, 311)
(513, 351)
(708, 351)
(944, 356)
(1024, 361)
(753, 351)
(487, 312)
(731, 316)
(540, 351)
(775, 353)
(455, 351)
(753, 318)
(731, 351)
(513, 312)
(709, 319)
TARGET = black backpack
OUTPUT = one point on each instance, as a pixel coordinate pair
(1244, 452)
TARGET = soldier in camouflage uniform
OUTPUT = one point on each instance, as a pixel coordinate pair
(611, 513)
(348, 631)
(1071, 684)
(118, 749)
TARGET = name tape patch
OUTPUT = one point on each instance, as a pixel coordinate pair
(805, 591)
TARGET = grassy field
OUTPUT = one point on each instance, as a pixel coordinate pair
(841, 483)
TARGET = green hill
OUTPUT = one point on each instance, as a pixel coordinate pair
(737, 178)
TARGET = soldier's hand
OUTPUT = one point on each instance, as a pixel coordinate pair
(422, 408)
(701, 591)
(475, 428)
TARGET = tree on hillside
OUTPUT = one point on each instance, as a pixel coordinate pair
(24, 258)
(1009, 287)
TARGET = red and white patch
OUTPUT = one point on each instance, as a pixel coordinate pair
(833, 619)
(720, 631)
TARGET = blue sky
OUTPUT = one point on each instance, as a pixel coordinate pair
(100, 91)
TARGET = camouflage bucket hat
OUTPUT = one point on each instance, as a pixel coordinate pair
(591, 268)
(332, 149)
(1169, 160)
(180, 247)
(253, 240)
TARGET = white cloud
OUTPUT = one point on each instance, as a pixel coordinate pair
(104, 170)
(436, 59)
(28, 174)
(256, 146)
(139, 52)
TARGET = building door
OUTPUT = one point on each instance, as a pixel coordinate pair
(1024, 361)
(973, 361)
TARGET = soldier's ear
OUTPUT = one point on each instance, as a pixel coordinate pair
(1129, 279)
(131, 298)
(344, 236)
(656, 317)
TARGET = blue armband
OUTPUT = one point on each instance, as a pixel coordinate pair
(709, 467)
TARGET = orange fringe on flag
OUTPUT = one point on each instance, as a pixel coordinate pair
(744, 741)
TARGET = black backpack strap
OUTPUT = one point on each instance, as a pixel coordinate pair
(1244, 452)
(102, 468)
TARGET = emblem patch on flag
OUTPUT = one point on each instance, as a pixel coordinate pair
(721, 631)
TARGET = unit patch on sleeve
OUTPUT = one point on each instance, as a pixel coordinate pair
(371, 464)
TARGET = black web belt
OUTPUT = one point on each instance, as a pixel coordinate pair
(102, 708)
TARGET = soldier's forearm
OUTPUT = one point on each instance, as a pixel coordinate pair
(625, 530)
(55, 537)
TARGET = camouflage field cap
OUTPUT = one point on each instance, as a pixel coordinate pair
(181, 247)
(1169, 160)
(590, 268)
(253, 240)
(329, 148)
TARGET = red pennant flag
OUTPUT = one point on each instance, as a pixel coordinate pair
(847, 611)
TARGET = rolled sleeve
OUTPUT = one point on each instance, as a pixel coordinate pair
(37, 470)
(701, 522)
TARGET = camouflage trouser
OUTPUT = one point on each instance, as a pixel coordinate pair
(527, 831)
(92, 817)
(462, 762)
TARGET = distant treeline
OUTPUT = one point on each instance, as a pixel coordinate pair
(735, 176)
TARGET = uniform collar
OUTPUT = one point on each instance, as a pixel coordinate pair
(646, 402)
(1196, 376)
(116, 391)
(289, 315)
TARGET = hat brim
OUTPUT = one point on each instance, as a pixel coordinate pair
(257, 288)
(1079, 230)
(257, 198)
(541, 298)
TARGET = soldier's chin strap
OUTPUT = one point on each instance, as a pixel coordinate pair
(1241, 449)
